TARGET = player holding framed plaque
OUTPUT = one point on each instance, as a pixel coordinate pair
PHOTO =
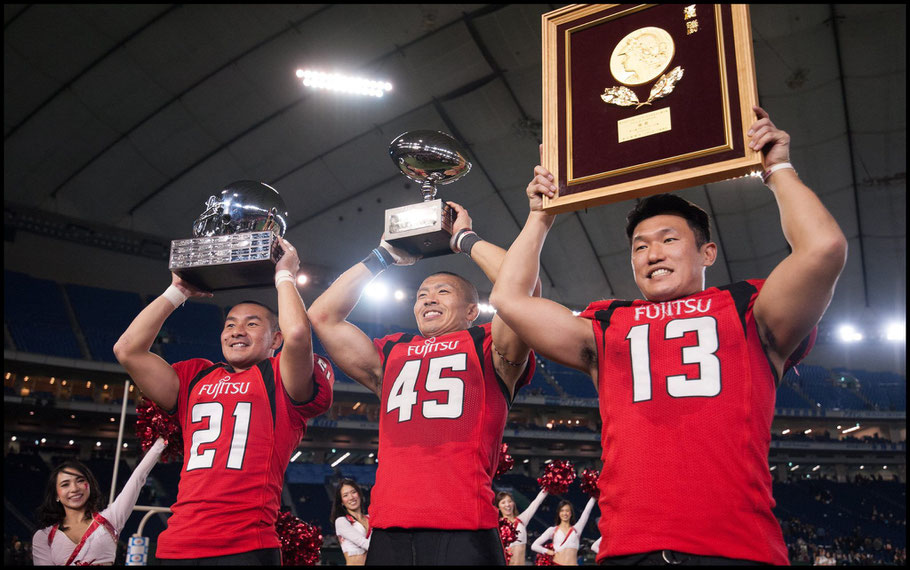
(643, 99)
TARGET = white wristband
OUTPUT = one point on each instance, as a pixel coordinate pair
(779, 166)
(283, 275)
(174, 295)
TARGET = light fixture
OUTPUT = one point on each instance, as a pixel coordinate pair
(302, 279)
(808, 431)
(785, 432)
(399, 295)
(344, 83)
(848, 333)
(816, 468)
(848, 430)
(376, 291)
(794, 468)
(296, 455)
(342, 458)
(896, 332)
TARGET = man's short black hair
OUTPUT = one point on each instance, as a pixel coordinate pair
(273, 315)
(671, 204)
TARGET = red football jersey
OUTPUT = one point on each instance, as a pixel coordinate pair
(686, 399)
(239, 430)
(442, 412)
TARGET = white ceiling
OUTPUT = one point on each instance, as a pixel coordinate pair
(132, 115)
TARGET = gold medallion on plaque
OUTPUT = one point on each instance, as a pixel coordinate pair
(637, 59)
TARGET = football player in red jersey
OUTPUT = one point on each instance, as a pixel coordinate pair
(686, 377)
(241, 419)
(444, 398)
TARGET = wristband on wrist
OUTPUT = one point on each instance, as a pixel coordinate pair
(779, 166)
(174, 295)
(467, 241)
(283, 275)
(379, 260)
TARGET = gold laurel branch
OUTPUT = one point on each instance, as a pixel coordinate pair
(622, 96)
(665, 85)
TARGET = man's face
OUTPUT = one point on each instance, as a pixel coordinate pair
(442, 306)
(248, 337)
(665, 260)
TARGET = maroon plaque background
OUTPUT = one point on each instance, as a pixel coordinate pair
(696, 104)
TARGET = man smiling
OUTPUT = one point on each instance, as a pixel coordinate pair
(241, 419)
(687, 374)
(444, 398)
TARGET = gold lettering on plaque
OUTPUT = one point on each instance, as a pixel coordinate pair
(691, 27)
(644, 125)
(689, 12)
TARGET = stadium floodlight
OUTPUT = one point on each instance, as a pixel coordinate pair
(342, 458)
(896, 332)
(794, 468)
(296, 455)
(399, 295)
(302, 279)
(376, 291)
(816, 468)
(343, 83)
(848, 333)
(848, 430)
(785, 432)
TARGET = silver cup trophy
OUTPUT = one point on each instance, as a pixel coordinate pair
(430, 158)
(235, 243)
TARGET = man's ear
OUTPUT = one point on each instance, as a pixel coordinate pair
(709, 251)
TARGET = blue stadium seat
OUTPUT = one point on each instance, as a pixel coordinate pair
(35, 314)
(103, 315)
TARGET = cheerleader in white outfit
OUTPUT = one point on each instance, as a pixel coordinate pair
(506, 505)
(565, 535)
(78, 531)
(351, 525)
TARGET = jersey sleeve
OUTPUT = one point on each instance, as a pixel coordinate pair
(346, 530)
(41, 550)
(120, 510)
(186, 370)
(542, 539)
(528, 513)
(583, 519)
(323, 382)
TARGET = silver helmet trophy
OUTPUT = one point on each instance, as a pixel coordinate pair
(235, 243)
(430, 158)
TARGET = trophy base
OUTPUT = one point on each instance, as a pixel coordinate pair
(233, 261)
(423, 229)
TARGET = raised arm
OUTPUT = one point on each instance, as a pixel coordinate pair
(122, 507)
(528, 514)
(296, 362)
(349, 348)
(346, 530)
(797, 292)
(583, 519)
(546, 326)
(511, 359)
(152, 374)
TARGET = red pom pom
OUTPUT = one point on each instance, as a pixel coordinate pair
(589, 479)
(152, 423)
(505, 461)
(545, 559)
(557, 477)
(508, 533)
(301, 542)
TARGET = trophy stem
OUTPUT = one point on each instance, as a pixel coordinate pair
(429, 189)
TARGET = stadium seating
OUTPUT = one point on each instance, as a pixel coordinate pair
(103, 315)
(35, 314)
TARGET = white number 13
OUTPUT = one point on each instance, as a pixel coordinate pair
(702, 353)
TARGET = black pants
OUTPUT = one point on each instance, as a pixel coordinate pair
(262, 557)
(673, 558)
(431, 547)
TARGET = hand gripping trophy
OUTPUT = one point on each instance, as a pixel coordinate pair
(431, 158)
(235, 243)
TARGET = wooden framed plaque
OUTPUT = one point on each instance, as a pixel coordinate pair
(640, 99)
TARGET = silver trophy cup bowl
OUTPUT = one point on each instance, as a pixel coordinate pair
(430, 158)
(235, 243)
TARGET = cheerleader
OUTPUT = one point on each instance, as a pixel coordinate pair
(351, 525)
(77, 530)
(506, 505)
(565, 535)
